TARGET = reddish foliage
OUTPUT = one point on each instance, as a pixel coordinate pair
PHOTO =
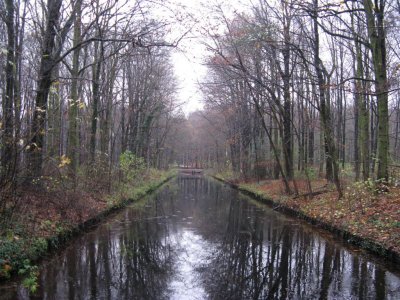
(44, 211)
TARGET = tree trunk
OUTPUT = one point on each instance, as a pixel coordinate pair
(287, 121)
(377, 37)
(43, 86)
(96, 71)
(363, 122)
(324, 106)
(73, 133)
(8, 149)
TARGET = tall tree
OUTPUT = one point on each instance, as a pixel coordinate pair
(47, 63)
(8, 158)
(375, 16)
(324, 104)
(74, 102)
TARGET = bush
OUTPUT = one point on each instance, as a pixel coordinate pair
(31, 274)
(95, 176)
(347, 171)
(308, 173)
(15, 251)
(131, 166)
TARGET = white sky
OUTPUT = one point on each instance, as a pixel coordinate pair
(189, 71)
(189, 57)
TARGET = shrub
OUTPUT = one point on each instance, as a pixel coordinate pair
(131, 166)
(15, 252)
(31, 274)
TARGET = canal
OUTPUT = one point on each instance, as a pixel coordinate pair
(199, 239)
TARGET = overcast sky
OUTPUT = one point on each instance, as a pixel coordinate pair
(189, 71)
(188, 59)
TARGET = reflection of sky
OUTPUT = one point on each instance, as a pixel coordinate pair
(192, 252)
(196, 240)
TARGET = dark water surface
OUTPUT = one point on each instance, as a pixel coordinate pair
(199, 239)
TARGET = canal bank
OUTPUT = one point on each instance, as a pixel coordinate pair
(335, 221)
(19, 254)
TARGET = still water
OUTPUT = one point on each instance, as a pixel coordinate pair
(199, 239)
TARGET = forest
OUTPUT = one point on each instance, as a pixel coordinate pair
(81, 82)
(306, 88)
(301, 97)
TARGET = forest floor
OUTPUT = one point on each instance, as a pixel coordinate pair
(47, 218)
(362, 212)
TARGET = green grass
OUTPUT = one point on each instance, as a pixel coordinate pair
(132, 191)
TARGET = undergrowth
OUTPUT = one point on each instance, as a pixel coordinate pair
(19, 247)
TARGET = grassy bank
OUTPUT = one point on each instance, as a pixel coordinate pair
(50, 219)
(363, 217)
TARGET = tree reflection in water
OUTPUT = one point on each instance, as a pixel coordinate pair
(264, 255)
(199, 239)
(128, 259)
